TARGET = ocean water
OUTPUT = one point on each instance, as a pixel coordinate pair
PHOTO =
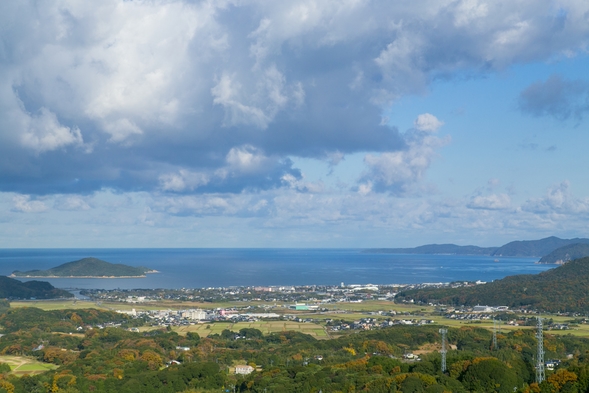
(200, 268)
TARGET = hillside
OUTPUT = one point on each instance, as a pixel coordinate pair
(561, 289)
(566, 253)
(437, 249)
(535, 248)
(15, 289)
(87, 267)
(520, 248)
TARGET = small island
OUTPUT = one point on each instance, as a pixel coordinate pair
(87, 268)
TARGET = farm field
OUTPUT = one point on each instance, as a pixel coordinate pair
(265, 327)
(146, 306)
(345, 311)
(22, 365)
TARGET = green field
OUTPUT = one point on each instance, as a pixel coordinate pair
(22, 365)
(146, 306)
(345, 311)
(265, 327)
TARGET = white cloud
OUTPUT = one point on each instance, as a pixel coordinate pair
(141, 71)
(24, 204)
(470, 11)
(399, 171)
(183, 180)
(44, 133)
(490, 202)
(246, 159)
(427, 122)
(302, 185)
(72, 203)
(558, 199)
(120, 130)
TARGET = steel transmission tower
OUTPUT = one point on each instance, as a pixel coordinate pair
(443, 351)
(540, 372)
(494, 334)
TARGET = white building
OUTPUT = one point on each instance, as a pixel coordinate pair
(198, 315)
(243, 369)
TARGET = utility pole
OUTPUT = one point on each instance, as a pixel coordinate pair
(540, 372)
(443, 332)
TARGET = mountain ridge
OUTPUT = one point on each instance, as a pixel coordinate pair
(518, 248)
(15, 289)
(562, 289)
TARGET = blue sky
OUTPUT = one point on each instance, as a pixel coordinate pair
(292, 124)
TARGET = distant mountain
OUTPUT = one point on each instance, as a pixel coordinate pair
(437, 249)
(535, 248)
(560, 289)
(15, 289)
(523, 248)
(87, 267)
(566, 253)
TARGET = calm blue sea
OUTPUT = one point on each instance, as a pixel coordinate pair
(198, 268)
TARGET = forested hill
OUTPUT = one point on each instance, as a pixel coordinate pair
(561, 289)
(520, 248)
(566, 253)
(535, 248)
(11, 288)
(87, 267)
(437, 249)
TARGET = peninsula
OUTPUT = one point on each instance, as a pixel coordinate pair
(520, 248)
(87, 268)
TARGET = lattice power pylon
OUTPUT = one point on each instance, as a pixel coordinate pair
(540, 372)
(494, 334)
(443, 351)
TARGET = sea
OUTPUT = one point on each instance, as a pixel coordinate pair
(214, 267)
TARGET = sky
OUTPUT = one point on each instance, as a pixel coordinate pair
(238, 123)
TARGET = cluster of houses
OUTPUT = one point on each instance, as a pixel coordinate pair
(191, 316)
(372, 323)
(288, 294)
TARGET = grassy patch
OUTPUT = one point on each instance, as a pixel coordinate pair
(265, 327)
(22, 365)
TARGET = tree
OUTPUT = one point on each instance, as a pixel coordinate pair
(490, 375)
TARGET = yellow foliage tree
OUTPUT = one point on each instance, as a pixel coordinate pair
(350, 350)
(154, 361)
(128, 354)
(561, 377)
(6, 386)
(76, 319)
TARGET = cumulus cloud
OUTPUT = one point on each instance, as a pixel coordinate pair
(399, 171)
(72, 203)
(159, 92)
(427, 122)
(44, 132)
(558, 199)
(556, 97)
(183, 180)
(24, 204)
(490, 202)
(248, 164)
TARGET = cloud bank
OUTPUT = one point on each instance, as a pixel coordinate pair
(161, 95)
(154, 113)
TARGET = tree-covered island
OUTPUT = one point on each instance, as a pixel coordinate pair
(87, 267)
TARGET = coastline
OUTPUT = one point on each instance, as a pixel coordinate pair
(142, 276)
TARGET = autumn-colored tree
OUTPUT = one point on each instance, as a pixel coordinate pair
(560, 378)
(76, 319)
(154, 361)
(6, 386)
